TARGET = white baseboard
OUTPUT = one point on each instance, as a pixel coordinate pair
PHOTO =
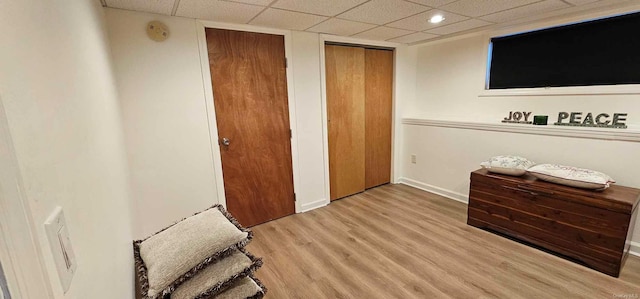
(436, 190)
(635, 248)
(313, 205)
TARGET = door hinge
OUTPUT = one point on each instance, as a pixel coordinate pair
(290, 134)
(286, 63)
(294, 197)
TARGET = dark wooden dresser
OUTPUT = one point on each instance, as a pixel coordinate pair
(591, 227)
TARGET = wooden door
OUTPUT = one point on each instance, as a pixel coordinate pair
(250, 97)
(345, 116)
(378, 107)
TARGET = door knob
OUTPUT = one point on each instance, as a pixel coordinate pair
(225, 141)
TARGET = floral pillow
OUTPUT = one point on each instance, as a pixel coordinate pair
(571, 176)
(509, 165)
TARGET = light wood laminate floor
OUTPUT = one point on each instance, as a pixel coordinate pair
(395, 241)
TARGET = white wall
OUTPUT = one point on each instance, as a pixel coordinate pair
(405, 94)
(60, 98)
(165, 119)
(166, 126)
(307, 89)
(450, 76)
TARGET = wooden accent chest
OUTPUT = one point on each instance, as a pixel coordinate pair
(591, 227)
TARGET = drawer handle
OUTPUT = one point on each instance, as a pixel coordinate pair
(525, 187)
(520, 190)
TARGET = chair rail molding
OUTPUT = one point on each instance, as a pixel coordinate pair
(630, 135)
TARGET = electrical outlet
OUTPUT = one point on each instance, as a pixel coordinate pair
(58, 235)
(413, 159)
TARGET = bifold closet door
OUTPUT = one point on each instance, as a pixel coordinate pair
(345, 119)
(378, 107)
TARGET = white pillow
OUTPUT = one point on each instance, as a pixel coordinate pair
(509, 165)
(177, 253)
(247, 287)
(571, 176)
(218, 276)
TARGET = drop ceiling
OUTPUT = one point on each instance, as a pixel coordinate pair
(401, 21)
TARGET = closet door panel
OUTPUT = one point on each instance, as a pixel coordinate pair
(378, 110)
(346, 119)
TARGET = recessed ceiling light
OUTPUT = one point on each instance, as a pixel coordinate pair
(436, 19)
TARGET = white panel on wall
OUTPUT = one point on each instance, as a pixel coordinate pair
(165, 119)
(64, 118)
(307, 89)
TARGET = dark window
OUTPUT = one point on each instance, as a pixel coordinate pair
(599, 52)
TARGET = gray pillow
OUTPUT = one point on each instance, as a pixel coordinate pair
(218, 276)
(178, 252)
(248, 288)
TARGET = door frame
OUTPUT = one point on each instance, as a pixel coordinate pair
(20, 253)
(201, 26)
(395, 113)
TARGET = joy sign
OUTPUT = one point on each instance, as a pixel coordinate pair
(518, 117)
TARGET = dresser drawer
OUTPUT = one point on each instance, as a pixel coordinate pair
(588, 226)
(603, 246)
(550, 206)
(607, 265)
(616, 198)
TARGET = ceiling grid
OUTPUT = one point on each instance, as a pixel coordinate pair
(401, 21)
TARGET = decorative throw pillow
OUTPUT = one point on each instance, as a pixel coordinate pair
(218, 276)
(178, 252)
(248, 287)
(509, 165)
(571, 176)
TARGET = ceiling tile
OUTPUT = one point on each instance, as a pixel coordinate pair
(382, 33)
(153, 6)
(324, 7)
(340, 27)
(420, 21)
(526, 11)
(432, 3)
(383, 11)
(581, 2)
(414, 37)
(286, 19)
(254, 2)
(475, 8)
(460, 26)
(222, 11)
